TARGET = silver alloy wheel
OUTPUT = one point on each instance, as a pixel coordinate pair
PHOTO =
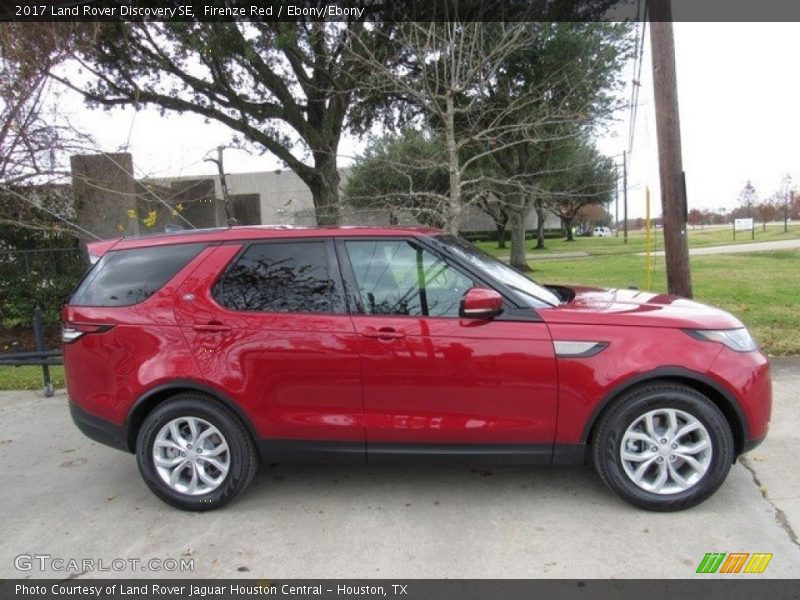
(666, 451)
(191, 456)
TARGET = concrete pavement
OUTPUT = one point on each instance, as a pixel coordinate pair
(68, 497)
(737, 248)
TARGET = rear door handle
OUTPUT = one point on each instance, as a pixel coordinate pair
(212, 327)
(384, 333)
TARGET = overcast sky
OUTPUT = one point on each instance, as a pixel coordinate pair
(739, 94)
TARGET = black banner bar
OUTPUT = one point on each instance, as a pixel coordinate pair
(408, 589)
(390, 10)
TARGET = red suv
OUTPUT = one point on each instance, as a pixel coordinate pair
(199, 351)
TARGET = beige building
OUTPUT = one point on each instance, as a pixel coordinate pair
(277, 197)
(283, 199)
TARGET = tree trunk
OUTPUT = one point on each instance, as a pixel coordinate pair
(501, 235)
(541, 217)
(518, 260)
(325, 189)
(454, 198)
(568, 228)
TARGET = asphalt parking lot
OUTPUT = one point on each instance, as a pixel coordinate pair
(67, 497)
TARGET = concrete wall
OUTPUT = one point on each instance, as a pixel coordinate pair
(286, 200)
(105, 190)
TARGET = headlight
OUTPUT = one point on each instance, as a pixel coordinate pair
(739, 340)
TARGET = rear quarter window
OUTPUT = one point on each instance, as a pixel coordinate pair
(126, 277)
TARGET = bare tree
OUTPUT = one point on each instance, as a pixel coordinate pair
(748, 198)
(441, 81)
(786, 198)
(503, 97)
(35, 139)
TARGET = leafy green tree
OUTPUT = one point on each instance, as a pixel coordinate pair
(572, 72)
(405, 173)
(590, 180)
(284, 88)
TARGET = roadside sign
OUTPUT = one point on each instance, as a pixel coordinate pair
(744, 225)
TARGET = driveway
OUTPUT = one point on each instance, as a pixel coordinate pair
(68, 497)
(736, 248)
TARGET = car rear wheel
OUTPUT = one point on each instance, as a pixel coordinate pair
(663, 446)
(195, 454)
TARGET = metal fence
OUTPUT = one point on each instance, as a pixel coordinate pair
(37, 277)
(37, 262)
(42, 356)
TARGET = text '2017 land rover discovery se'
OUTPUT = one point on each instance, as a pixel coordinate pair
(199, 351)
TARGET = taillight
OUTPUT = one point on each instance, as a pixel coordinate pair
(73, 331)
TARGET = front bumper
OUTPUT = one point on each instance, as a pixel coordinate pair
(99, 429)
(752, 443)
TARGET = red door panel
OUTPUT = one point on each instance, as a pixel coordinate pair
(450, 380)
(298, 376)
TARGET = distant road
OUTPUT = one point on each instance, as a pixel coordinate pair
(735, 248)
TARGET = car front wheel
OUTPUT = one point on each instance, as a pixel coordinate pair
(663, 446)
(195, 454)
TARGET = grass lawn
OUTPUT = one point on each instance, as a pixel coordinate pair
(762, 288)
(28, 378)
(598, 246)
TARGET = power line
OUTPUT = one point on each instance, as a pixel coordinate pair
(638, 61)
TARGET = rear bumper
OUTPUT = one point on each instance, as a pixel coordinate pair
(99, 429)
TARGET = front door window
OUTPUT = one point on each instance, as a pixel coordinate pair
(396, 277)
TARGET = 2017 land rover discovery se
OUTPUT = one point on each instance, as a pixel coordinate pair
(201, 351)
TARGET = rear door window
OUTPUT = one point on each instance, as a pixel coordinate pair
(283, 277)
(126, 277)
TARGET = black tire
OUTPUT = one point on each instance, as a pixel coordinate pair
(243, 459)
(633, 404)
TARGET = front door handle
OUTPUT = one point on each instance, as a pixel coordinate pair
(211, 327)
(384, 333)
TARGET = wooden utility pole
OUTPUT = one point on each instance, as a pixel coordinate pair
(625, 196)
(226, 197)
(670, 165)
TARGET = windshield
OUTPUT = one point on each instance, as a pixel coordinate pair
(526, 291)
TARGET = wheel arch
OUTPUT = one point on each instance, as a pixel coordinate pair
(714, 391)
(148, 401)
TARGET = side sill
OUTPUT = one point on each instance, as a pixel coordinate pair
(570, 454)
(98, 429)
(481, 454)
(383, 453)
(312, 452)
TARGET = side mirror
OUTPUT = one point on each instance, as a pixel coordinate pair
(481, 303)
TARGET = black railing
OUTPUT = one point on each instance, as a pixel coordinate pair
(43, 357)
